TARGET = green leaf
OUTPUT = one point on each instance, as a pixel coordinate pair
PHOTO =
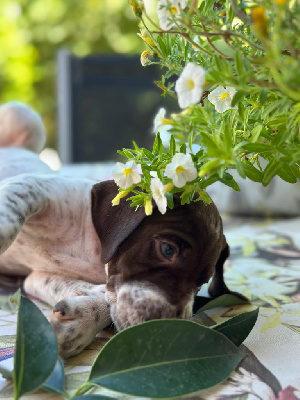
(240, 168)
(204, 196)
(183, 148)
(270, 108)
(136, 147)
(170, 200)
(225, 300)
(228, 180)
(237, 328)
(147, 153)
(252, 173)
(172, 146)
(56, 381)
(156, 144)
(281, 137)
(257, 147)
(296, 170)
(270, 171)
(239, 95)
(36, 349)
(287, 174)
(263, 95)
(165, 358)
(256, 132)
(239, 62)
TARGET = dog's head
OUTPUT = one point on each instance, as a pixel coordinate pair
(156, 264)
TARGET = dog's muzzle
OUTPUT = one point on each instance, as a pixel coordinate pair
(136, 303)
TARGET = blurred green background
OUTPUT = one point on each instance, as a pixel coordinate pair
(32, 31)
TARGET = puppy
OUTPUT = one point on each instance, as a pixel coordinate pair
(92, 262)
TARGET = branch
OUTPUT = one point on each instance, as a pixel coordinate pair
(214, 47)
(240, 13)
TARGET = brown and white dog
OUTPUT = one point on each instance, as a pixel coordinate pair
(92, 262)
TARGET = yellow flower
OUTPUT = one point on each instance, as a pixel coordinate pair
(144, 58)
(281, 2)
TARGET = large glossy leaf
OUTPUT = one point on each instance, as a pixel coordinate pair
(225, 300)
(36, 349)
(165, 358)
(237, 328)
(56, 381)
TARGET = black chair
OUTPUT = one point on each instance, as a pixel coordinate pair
(105, 102)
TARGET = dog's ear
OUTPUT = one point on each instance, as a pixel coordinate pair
(217, 286)
(113, 224)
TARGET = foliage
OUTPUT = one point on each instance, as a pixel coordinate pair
(31, 33)
(149, 359)
(251, 48)
(36, 349)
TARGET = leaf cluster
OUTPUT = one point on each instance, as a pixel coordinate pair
(259, 136)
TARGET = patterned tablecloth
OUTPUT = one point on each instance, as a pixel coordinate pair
(265, 266)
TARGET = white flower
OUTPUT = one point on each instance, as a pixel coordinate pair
(221, 98)
(126, 175)
(157, 189)
(189, 86)
(163, 125)
(167, 10)
(181, 169)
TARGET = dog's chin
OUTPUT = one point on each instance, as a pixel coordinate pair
(136, 303)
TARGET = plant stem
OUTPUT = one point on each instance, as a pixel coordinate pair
(83, 389)
(225, 34)
(240, 13)
(214, 47)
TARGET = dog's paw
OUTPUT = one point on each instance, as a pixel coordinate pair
(76, 321)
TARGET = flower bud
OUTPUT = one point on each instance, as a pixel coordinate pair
(144, 58)
(148, 207)
(116, 200)
(260, 21)
(137, 7)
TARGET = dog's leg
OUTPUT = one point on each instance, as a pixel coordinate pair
(20, 198)
(80, 309)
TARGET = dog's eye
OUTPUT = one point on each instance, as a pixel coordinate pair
(167, 250)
